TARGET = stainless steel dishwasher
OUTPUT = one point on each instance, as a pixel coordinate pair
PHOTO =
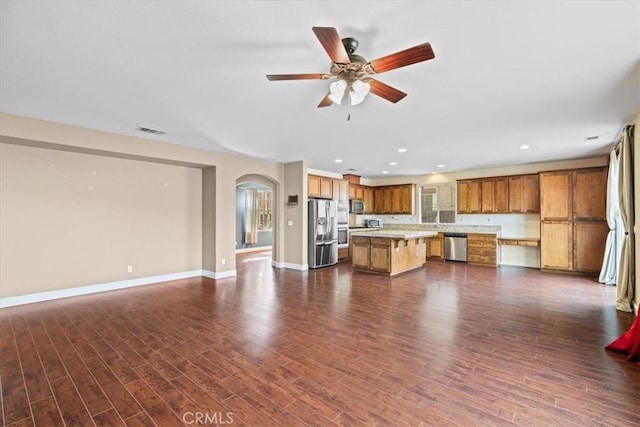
(455, 246)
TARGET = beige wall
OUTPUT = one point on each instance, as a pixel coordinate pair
(295, 217)
(217, 237)
(72, 219)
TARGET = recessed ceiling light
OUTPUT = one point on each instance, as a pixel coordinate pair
(393, 163)
(402, 150)
(524, 147)
(385, 171)
(338, 160)
(441, 166)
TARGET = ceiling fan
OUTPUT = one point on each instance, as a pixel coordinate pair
(353, 74)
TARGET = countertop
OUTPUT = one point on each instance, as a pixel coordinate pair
(395, 234)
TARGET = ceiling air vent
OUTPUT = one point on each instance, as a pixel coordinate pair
(591, 138)
(151, 130)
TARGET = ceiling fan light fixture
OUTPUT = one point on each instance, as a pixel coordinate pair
(337, 90)
(358, 91)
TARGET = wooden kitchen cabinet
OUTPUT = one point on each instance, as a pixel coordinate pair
(590, 194)
(380, 253)
(482, 249)
(387, 201)
(319, 187)
(313, 186)
(524, 194)
(393, 199)
(435, 247)
(573, 228)
(501, 194)
(590, 238)
(340, 190)
(371, 254)
(556, 241)
(368, 200)
(378, 200)
(356, 191)
(360, 252)
(504, 194)
(488, 195)
(396, 200)
(470, 196)
(406, 199)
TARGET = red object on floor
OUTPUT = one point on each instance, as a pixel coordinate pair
(629, 342)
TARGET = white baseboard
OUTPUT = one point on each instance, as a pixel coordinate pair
(110, 286)
(219, 274)
(300, 267)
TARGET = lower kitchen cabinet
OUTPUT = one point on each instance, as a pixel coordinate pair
(380, 255)
(371, 254)
(573, 246)
(435, 247)
(360, 252)
(482, 249)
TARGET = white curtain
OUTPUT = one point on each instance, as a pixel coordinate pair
(609, 271)
(251, 216)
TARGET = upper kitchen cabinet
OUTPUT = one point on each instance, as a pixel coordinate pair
(488, 195)
(470, 196)
(524, 194)
(368, 200)
(340, 190)
(378, 200)
(391, 199)
(556, 195)
(406, 199)
(503, 194)
(578, 194)
(322, 187)
(590, 190)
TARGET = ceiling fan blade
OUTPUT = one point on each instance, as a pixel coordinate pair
(422, 52)
(385, 91)
(326, 101)
(332, 43)
(311, 76)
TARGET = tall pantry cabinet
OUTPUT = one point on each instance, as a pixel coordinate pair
(573, 222)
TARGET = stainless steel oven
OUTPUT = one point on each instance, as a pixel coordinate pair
(343, 237)
(343, 214)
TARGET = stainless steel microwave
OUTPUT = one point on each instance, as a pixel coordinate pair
(356, 206)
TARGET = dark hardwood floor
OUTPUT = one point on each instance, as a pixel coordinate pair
(448, 344)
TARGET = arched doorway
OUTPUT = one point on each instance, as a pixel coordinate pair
(256, 214)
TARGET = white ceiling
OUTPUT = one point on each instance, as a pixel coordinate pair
(546, 74)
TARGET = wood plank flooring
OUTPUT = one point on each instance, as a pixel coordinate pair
(448, 344)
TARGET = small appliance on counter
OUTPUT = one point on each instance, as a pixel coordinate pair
(374, 223)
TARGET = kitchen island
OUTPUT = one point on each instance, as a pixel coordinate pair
(389, 252)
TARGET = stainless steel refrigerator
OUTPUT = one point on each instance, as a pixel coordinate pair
(323, 233)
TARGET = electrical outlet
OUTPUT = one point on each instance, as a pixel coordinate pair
(129, 268)
(223, 261)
